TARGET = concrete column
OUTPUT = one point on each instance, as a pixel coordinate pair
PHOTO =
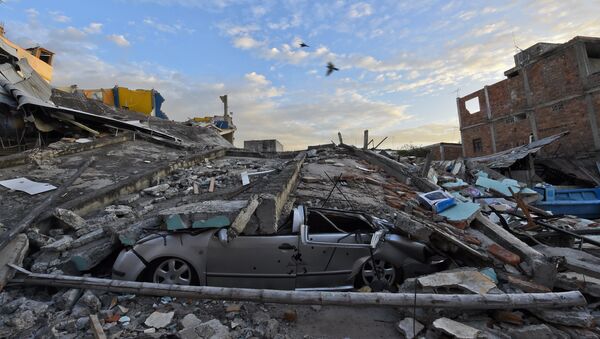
(489, 116)
(462, 140)
(366, 141)
(593, 121)
(529, 97)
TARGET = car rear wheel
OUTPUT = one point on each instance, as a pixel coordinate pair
(171, 271)
(379, 274)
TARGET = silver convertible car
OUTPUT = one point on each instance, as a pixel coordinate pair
(316, 249)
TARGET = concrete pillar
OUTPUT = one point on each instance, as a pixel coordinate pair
(224, 100)
(366, 141)
(462, 140)
(340, 137)
(530, 112)
(489, 116)
(593, 121)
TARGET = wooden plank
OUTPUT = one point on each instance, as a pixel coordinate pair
(96, 327)
(421, 300)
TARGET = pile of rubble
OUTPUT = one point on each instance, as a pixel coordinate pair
(497, 243)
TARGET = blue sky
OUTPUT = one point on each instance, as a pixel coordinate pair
(401, 62)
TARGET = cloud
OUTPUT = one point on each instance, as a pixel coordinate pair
(93, 28)
(59, 16)
(257, 78)
(167, 28)
(245, 42)
(360, 10)
(32, 12)
(119, 39)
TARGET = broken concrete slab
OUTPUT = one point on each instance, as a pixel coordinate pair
(243, 218)
(470, 280)
(13, 253)
(59, 245)
(190, 321)
(409, 327)
(212, 329)
(156, 190)
(456, 329)
(159, 319)
(69, 219)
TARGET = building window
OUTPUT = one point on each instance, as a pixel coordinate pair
(472, 105)
(477, 145)
(593, 57)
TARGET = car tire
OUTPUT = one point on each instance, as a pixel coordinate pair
(171, 270)
(379, 274)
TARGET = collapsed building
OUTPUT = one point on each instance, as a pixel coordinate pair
(552, 90)
(89, 182)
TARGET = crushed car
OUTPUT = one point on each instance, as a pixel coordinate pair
(315, 249)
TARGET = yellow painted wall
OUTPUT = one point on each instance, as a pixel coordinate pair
(42, 68)
(139, 100)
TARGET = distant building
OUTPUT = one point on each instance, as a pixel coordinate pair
(552, 88)
(445, 151)
(269, 146)
(145, 101)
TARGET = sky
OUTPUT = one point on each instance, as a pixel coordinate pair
(401, 63)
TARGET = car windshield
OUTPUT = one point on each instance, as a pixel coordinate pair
(346, 222)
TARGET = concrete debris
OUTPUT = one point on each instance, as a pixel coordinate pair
(68, 219)
(190, 321)
(409, 327)
(159, 319)
(470, 280)
(212, 329)
(455, 329)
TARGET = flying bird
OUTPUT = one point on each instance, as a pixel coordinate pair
(302, 45)
(330, 68)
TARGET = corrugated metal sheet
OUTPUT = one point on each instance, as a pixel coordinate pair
(508, 157)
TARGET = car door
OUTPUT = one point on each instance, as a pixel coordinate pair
(253, 262)
(329, 267)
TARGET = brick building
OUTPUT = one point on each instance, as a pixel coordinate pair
(552, 88)
(445, 151)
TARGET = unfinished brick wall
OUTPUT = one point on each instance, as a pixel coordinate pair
(450, 151)
(559, 81)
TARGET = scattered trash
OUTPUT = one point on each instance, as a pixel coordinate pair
(27, 186)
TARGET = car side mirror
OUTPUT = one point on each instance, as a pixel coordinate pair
(223, 237)
(376, 238)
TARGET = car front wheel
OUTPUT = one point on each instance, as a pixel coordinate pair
(379, 274)
(171, 271)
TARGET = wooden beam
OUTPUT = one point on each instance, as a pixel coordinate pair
(543, 271)
(422, 300)
(96, 327)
